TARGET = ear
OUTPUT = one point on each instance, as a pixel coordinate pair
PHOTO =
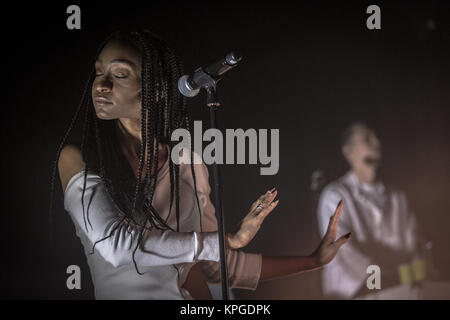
(346, 151)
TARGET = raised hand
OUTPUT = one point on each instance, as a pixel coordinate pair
(251, 223)
(329, 247)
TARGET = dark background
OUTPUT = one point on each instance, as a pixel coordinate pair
(308, 70)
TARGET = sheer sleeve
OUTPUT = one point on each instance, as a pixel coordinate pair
(101, 219)
(244, 269)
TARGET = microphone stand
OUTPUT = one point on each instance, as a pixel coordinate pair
(207, 78)
(212, 103)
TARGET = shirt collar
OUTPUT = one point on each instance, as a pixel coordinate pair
(376, 187)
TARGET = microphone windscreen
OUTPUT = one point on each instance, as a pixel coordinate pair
(185, 89)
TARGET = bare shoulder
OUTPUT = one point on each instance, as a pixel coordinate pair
(70, 162)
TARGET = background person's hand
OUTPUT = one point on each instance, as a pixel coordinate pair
(251, 223)
(329, 246)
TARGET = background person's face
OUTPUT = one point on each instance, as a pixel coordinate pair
(363, 150)
(117, 85)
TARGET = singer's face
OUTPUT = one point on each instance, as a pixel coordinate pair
(364, 149)
(117, 85)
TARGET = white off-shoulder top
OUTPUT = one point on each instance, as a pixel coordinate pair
(166, 256)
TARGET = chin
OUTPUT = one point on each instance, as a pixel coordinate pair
(103, 115)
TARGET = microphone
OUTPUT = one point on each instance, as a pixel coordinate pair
(190, 85)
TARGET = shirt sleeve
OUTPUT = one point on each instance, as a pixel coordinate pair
(410, 226)
(102, 219)
(244, 269)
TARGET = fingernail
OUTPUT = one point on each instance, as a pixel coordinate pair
(348, 235)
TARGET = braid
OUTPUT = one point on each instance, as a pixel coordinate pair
(176, 64)
(60, 147)
(83, 144)
(84, 103)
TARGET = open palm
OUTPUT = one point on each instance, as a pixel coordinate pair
(251, 223)
(329, 246)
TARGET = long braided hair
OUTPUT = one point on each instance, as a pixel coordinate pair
(163, 110)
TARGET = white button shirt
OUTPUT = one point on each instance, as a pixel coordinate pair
(383, 233)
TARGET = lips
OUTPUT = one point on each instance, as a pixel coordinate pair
(102, 101)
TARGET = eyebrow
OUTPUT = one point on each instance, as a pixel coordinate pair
(119, 61)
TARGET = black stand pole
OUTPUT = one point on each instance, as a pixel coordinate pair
(212, 103)
(189, 86)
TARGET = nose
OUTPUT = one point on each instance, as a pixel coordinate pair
(103, 86)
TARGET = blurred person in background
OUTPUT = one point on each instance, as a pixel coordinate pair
(383, 227)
